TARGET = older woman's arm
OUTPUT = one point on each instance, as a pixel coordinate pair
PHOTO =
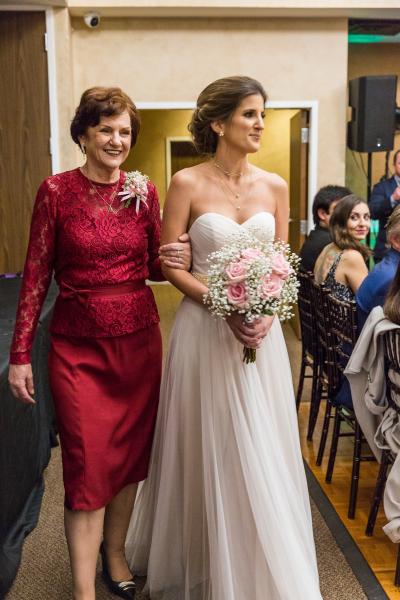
(36, 280)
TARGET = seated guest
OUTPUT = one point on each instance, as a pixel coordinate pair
(341, 264)
(323, 206)
(385, 197)
(373, 290)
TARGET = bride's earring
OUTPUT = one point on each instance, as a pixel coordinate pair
(221, 134)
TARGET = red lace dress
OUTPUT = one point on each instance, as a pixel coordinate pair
(105, 357)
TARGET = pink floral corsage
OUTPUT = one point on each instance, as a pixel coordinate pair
(135, 188)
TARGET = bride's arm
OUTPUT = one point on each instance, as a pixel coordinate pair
(176, 215)
(282, 209)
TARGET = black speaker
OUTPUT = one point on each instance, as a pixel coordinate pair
(373, 100)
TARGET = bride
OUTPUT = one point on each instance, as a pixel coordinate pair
(224, 513)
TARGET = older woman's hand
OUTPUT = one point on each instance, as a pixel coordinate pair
(177, 255)
(20, 379)
(252, 334)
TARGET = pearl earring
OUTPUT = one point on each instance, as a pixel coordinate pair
(221, 134)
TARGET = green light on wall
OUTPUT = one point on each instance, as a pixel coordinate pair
(363, 38)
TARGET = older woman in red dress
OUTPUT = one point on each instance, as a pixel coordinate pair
(98, 229)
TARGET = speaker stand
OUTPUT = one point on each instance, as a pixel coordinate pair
(369, 175)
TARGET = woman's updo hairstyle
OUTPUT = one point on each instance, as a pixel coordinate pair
(217, 102)
(338, 225)
(97, 102)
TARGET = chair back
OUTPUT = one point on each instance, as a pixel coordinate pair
(307, 313)
(344, 332)
(319, 295)
(391, 345)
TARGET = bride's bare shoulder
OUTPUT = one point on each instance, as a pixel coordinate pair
(191, 175)
(272, 180)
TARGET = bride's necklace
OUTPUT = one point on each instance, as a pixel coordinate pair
(228, 173)
(239, 200)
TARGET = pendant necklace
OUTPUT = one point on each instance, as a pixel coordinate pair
(236, 195)
(109, 202)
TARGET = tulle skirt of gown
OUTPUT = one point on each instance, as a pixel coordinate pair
(224, 513)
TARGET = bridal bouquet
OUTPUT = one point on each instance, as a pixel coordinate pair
(253, 278)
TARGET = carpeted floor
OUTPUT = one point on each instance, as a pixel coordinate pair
(44, 572)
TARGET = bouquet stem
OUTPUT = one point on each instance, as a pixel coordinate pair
(249, 355)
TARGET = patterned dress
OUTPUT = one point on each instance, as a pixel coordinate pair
(105, 358)
(339, 290)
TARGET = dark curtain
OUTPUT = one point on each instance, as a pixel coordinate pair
(27, 433)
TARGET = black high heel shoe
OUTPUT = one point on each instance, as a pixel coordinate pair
(123, 589)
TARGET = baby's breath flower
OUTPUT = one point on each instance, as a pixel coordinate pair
(253, 278)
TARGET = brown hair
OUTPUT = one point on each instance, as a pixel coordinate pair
(393, 224)
(217, 102)
(395, 155)
(97, 102)
(391, 308)
(338, 225)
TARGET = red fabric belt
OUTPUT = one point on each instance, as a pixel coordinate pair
(68, 292)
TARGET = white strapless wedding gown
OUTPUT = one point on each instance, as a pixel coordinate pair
(224, 513)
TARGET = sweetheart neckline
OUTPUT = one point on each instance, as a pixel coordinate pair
(210, 212)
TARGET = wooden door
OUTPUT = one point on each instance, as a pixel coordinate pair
(24, 129)
(183, 154)
(298, 179)
(298, 188)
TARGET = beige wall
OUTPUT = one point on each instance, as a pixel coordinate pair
(172, 60)
(149, 155)
(371, 59)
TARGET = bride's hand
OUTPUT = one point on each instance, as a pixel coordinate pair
(252, 334)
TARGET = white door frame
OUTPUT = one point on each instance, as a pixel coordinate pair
(53, 99)
(310, 105)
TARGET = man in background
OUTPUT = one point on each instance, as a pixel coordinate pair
(323, 205)
(372, 292)
(384, 198)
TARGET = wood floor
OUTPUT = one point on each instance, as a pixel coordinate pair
(378, 550)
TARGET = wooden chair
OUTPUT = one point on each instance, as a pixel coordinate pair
(391, 345)
(344, 332)
(386, 461)
(325, 382)
(309, 359)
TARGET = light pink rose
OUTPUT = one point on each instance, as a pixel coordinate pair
(281, 267)
(270, 287)
(237, 295)
(251, 254)
(236, 271)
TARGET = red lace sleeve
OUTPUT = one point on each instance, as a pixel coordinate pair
(37, 274)
(154, 229)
